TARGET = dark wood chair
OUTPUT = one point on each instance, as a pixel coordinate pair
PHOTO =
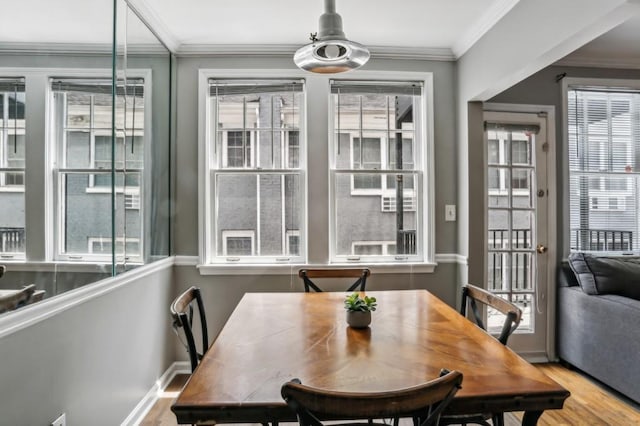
(472, 296)
(182, 312)
(360, 273)
(424, 402)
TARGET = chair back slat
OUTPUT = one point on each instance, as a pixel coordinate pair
(472, 295)
(360, 273)
(424, 402)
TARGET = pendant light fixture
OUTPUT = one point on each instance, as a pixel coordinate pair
(329, 50)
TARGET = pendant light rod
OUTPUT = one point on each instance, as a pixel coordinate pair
(330, 23)
(330, 6)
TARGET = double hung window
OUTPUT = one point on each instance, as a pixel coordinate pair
(92, 164)
(12, 167)
(377, 141)
(604, 148)
(258, 204)
(253, 163)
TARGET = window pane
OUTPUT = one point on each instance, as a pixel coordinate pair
(362, 218)
(79, 224)
(268, 205)
(12, 226)
(293, 149)
(78, 110)
(270, 111)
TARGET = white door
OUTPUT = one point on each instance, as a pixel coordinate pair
(519, 199)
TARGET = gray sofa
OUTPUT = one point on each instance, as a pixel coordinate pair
(598, 319)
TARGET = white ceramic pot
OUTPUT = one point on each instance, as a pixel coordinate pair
(358, 319)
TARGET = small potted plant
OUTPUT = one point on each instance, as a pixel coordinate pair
(359, 310)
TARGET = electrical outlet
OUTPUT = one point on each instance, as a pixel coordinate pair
(450, 213)
(60, 421)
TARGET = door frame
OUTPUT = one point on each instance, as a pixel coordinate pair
(552, 220)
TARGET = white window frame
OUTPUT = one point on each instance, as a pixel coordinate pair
(423, 170)
(315, 252)
(577, 82)
(56, 226)
(209, 159)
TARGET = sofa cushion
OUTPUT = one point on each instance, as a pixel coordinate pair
(607, 275)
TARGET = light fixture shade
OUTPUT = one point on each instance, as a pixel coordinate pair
(330, 51)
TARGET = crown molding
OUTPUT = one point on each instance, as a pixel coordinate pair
(79, 49)
(490, 17)
(155, 24)
(585, 61)
(377, 52)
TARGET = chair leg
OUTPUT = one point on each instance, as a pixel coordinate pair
(498, 419)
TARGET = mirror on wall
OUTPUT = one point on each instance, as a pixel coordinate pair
(84, 164)
(142, 135)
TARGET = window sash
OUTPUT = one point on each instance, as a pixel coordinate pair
(255, 139)
(604, 145)
(379, 170)
(84, 168)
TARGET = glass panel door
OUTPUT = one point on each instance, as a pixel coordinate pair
(516, 153)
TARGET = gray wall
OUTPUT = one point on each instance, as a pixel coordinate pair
(94, 361)
(542, 89)
(224, 291)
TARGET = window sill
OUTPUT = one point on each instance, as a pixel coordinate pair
(17, 265)
(289, 269)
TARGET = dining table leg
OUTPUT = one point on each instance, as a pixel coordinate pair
(530, 418)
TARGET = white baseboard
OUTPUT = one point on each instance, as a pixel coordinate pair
(140, 411)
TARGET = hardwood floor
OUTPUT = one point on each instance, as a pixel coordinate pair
(590, 403)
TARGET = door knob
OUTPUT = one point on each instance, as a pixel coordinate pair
(541, 249)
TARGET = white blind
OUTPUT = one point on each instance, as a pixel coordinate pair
(604, 167)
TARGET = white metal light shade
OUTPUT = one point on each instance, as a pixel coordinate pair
(330, 51)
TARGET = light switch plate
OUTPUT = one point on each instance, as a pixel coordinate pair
(450, 213)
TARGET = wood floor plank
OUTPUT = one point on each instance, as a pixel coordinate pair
(590, 403)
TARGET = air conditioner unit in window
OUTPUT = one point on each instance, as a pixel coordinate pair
(388, 203)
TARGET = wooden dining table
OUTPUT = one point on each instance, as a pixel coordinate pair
(271, 338)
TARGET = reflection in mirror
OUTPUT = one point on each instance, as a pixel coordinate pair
(71, 186)
(143, 98)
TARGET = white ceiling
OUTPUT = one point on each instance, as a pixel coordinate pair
(422, 24)
(443, 29)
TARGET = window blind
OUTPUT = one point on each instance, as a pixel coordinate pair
(133, 86)
(12, 85)
(246, 87)
(604, 167)
(409, 88)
